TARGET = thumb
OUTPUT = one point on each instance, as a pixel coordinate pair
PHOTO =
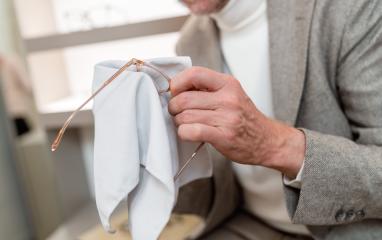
(197, 78)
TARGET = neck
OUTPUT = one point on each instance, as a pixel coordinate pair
(238, 13)
(222, 4)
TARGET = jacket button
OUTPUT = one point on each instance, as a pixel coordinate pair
(340, 216)
(360, 214)
(350, 215)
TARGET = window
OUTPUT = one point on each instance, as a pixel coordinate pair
(72, 15)
(66, 38)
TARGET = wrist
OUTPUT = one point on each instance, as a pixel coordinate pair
(289, 151)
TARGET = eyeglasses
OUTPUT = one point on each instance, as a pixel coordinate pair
(162, 88)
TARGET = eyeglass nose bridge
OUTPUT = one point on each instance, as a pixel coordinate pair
(138, 63)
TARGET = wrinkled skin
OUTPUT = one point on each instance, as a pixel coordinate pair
(212, 107)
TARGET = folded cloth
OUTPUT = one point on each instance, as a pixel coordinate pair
(136, 149)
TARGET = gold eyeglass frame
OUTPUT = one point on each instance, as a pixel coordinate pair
(139, 64)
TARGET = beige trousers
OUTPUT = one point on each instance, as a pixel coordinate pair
(244, 226)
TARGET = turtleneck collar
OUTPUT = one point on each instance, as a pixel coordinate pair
(238, 13)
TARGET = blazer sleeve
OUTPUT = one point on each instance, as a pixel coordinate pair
(342, 178)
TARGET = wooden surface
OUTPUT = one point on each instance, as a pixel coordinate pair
(178, 228)
(86, 226)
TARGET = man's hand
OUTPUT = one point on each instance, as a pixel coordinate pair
(212, 107)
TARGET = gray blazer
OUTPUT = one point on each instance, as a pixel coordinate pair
(326, 64)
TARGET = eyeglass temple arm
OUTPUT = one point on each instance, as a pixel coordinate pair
(60, 134)
(192, 157)
(188, 161)
(138, 63)
(134, 61)
(162, 73)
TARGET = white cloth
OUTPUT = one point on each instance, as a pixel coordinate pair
(244, 40)
(136, 149)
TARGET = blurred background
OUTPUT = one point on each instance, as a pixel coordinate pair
(48, 49)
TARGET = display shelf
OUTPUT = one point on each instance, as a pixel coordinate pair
(133, 30)
(54, 114)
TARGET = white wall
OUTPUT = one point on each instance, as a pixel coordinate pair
(9, 43)
(13, 223)
(12, 219)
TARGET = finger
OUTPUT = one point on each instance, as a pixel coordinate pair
(192, 100)
(198, 78)
(207, 117)
(198, 133)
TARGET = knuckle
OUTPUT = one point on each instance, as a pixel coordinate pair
(188, 116)
(232, 80)
(229, 79)
(183, 100)
(234, 85)
(235, 120)
(197, 69)
(193, 72)
(232, 100)
(230, 136)
(178, 103)
(184, 117)
(172, 106)
(178, 120)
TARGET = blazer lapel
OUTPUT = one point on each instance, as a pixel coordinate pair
(289, 29)
(200, 40)
(289, 43)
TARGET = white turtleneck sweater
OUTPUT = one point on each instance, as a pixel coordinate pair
(244, 42)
